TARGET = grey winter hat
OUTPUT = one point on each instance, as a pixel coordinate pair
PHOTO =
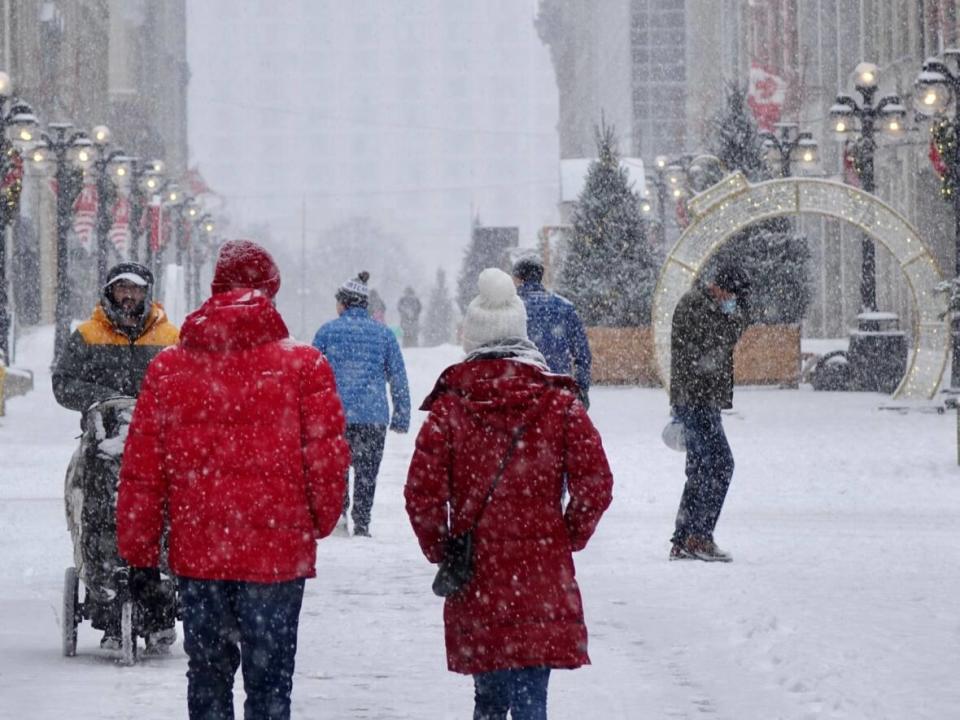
(354, 292)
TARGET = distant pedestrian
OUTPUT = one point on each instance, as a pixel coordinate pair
(707, 323)
(409, 308)
(366, 358)
(502, 427)
(237, 438)
(553, 325)
(377, 307)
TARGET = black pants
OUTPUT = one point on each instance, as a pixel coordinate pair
(709, 471)
(366, 450)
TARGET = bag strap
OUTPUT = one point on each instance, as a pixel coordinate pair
(500, 470)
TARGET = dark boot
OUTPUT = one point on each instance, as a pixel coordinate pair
(696, 547)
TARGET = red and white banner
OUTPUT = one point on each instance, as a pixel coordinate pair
(119, 233)
(766, 94)
(153, 226)
(85, 216)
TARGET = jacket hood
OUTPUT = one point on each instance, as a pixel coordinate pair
(500, 392)
(231, 321)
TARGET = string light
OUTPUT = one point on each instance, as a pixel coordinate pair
(733, 204)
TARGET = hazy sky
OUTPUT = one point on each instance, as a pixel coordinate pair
(412, 114)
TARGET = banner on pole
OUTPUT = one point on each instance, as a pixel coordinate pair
(766, 94)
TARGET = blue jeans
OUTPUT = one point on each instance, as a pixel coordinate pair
(709, 471)
(227, 624)
(522, 692)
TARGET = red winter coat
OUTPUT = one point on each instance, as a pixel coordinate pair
(238, 434)
(522, 607)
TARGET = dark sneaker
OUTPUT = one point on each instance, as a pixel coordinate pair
(699, 548)
(361, 531)
(110, 641)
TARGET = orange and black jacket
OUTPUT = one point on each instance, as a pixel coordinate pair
(101, 362)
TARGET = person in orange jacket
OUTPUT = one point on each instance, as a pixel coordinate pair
(107, 357)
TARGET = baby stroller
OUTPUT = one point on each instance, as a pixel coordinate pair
(90, 494)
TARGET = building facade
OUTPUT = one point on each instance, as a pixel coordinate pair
(812, 46)
(121, 63)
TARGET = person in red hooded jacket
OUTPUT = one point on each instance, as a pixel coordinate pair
(520, 614)
(238, 438)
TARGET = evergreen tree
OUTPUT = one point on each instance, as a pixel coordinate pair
(470, 268)
(776, 259)
(609, 271)
(438, 320)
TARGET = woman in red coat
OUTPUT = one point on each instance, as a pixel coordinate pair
(237, 437)
(520, 614)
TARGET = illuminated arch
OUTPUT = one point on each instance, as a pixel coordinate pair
(733, 204)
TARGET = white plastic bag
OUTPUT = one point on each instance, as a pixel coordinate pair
(673, 435)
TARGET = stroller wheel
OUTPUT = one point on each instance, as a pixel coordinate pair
(128, 635)
(71, 611)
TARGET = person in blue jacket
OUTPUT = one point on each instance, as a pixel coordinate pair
(365, 357)
(553, 325)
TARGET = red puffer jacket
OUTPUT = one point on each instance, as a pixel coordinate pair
(238, 435)
(522, 607)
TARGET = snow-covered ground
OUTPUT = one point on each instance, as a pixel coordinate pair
(844, 521)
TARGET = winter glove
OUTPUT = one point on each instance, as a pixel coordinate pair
(144, 584)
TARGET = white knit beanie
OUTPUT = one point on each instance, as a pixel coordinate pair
(496, 313)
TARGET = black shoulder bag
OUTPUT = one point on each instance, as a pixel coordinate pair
(456, 568)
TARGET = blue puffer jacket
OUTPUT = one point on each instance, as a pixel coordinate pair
(555, 328)
(365, 356)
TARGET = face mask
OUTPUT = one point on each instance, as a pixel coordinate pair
(728, 306)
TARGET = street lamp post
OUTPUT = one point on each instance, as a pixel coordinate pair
(658, 180)
(105, 162)
(18, 123)
(790, 147)
(202, 252)
(888, 113)
(938, 96)
(191, 219)
(144, 183)
(155, 188)
(70, 152)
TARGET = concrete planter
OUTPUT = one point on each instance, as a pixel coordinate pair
(765, 355)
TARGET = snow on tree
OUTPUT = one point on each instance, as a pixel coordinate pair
(775, 258)
(609, 271)
(439, 318)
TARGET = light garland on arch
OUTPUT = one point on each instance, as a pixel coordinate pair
(733, 204)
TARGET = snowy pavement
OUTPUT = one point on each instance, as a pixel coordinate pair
(841, 602)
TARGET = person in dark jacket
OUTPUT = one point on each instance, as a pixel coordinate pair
(238, 439)
(107, 357)
(707, 323)
(409, 308)
(365, 357)
(520, 615)
(553, 325)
